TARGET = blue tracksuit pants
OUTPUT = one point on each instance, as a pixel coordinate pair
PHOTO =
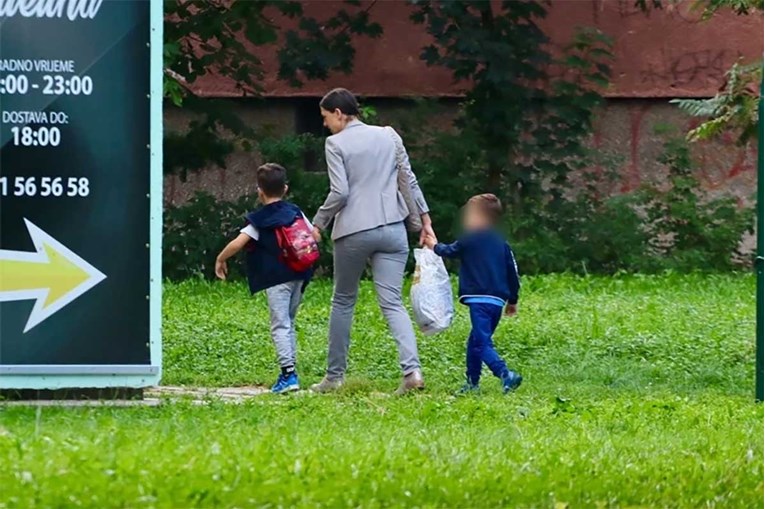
(480, 347)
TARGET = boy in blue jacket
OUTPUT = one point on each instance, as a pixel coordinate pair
(488, 282)
(266, 271)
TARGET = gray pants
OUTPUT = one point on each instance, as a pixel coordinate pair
(283, 303)
(387, 249)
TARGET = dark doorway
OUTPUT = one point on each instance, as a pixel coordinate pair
(308, 121)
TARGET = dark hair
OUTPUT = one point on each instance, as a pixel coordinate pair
(340, 99)
(271, 178)
(488, 204)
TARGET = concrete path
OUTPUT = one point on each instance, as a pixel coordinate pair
(155, 396)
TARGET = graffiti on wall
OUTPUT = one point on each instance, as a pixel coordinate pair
(630, 9)
(689, 67)
(721, 165)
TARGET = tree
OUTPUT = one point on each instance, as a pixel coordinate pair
(734, 108)
(222, 37)
(529, 125)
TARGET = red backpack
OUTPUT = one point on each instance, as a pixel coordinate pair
(299, 250)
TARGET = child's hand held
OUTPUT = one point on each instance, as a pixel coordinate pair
(511, 310)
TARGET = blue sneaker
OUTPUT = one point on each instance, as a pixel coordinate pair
(511, 381)
(286, 384)
(468, 388)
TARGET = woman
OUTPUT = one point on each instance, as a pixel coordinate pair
(369, 212)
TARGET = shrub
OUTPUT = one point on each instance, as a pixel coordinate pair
(672, 225)
(194, 234)
(669, 226)
(689, 230)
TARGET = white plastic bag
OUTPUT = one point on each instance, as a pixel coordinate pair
(432, 301)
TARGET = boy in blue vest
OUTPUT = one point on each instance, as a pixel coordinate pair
(266, 271)
(488, 282)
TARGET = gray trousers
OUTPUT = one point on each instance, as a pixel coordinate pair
(283, 303)
(386, 248)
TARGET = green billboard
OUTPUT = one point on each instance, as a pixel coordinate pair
(80, 193)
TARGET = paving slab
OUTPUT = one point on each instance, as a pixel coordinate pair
(223, 393)
(154, 396)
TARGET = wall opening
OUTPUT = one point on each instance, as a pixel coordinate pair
(309, 121)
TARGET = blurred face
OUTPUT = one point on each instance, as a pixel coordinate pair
(335, 121)
(473, 218)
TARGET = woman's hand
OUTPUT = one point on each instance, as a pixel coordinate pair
(427, 229)
(316, 234)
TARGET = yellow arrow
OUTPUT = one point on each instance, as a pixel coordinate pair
(53, 276)
(58, 275)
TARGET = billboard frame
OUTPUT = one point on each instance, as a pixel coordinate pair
(42, 377)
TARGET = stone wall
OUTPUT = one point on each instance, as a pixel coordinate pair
(625, 134)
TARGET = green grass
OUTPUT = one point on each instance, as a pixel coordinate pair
(637, 392)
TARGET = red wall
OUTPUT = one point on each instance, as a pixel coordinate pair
(668, 53)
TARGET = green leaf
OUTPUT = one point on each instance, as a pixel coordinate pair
(577, 62)
(430, 55)
(260, 35)
(601, 53)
